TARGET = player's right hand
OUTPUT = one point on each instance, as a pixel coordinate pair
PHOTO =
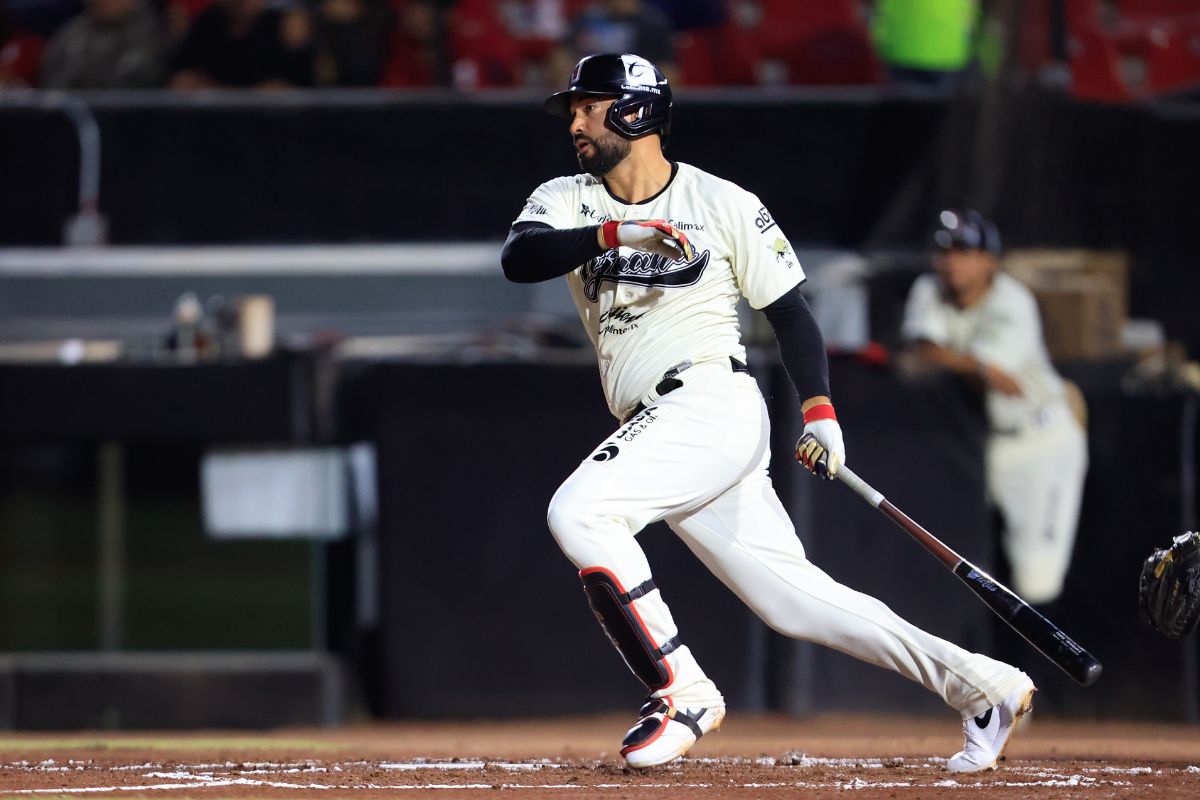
(648, 235)
(1000, 381)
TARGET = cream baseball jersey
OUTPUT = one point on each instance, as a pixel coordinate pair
(1004, 330)
(646, 313)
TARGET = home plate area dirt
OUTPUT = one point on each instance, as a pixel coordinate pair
(832, 756)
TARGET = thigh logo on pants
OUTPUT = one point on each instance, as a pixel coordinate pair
(627, 433)
(606, 453)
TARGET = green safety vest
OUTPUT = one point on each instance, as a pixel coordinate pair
(925, 34)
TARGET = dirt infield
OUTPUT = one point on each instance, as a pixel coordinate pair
(828, 756)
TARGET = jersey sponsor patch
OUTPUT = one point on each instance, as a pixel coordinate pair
(618, 320)
(763, 220)
(640, 269)
(588, 212)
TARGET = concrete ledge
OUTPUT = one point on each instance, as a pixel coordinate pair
(60, 691)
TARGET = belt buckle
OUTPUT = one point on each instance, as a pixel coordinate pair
(678, 368)
(670, 382)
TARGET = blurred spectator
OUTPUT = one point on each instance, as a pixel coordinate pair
(982, 324)
(537, 26)
(20, 52)
(413, 53)
(926, 42)
(112, 44)
(619, 26)
(534, 19)
(42, 17)
(243, 43)
(352, 38)
(687, 14)
(179, 15)
(483, 54)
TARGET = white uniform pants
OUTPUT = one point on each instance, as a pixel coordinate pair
(698, 458)
(1036, 479)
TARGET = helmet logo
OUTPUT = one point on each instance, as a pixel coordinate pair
(639, 72)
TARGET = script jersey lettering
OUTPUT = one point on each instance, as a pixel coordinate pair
(646, 313)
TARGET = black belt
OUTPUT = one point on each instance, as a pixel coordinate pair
(671, 382)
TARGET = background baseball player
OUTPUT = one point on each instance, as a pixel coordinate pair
(657, 254)
(981, 323)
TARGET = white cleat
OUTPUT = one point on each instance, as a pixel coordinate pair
(987, 735)
(663, 733)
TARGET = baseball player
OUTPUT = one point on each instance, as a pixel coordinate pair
(984, 324)
(656, 254)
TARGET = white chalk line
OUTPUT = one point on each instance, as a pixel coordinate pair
(202, 776)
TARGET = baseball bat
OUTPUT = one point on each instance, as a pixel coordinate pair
(1020, 616)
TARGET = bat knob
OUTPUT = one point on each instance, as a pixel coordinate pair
(1091, 673)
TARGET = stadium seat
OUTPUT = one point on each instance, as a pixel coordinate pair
(717, 56)
(1157, 9)
(816, 44)
(1174, 63)
(483, 53)
(1095, 66)
(834, 57)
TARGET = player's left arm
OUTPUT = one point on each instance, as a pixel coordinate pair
(769, 275)
(802, 350)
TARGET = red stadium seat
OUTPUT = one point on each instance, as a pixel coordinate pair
(693, 53)
(1157, 9)
(1082, 13)
(816, 44)
(1174, 62)
(1095, 66)
(717, 56)
(483, 53)
(1135, 57)
(834, 57)
(786, 22)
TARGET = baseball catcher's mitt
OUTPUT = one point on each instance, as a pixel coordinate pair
(1169, 591)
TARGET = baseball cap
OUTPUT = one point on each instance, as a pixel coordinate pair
(966, 230)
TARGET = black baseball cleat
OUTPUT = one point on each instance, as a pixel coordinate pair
(664, 732)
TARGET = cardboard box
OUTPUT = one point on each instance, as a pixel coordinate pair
(1081, 318)
(1083, 296)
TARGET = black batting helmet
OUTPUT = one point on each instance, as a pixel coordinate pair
(638, 85)
(966, 230)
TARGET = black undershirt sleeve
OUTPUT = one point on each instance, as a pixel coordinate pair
(536, 252)
(801, 345)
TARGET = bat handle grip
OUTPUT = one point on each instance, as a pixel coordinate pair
(861, 487)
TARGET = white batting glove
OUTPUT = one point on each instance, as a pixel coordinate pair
(821, 449)
(649, 235)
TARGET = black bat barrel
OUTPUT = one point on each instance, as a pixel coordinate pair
(1040, 632)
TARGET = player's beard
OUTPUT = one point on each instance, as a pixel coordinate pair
(608, 150)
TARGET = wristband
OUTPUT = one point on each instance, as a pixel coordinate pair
(820, 411)
(609, 231)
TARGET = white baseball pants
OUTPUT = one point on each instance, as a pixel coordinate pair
(1036, 479)
(698, 458)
